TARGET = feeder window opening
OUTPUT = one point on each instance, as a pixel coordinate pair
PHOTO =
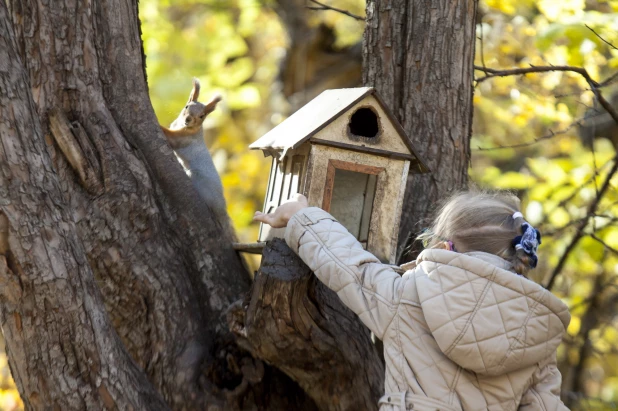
(352, 202)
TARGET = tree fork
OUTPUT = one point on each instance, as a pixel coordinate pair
(165, 267)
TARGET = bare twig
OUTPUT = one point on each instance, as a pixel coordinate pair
(574, 193)
(601, 38)
(548, 136)
(607, 246)
(323, 6)
(609, 80)
(550, 233)
(490, 73)
(582, 225)
(594, 86)
(574, 93)
(592, 108)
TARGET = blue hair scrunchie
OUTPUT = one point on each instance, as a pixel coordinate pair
(529, 242)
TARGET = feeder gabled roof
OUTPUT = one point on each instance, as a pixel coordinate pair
(319, 113)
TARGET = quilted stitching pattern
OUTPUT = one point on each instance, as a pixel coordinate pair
(457, 328)
(367, 287)
(488, 320)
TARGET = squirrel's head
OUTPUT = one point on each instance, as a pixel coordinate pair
(194, 113)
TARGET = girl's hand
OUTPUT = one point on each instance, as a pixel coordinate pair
(282, 214)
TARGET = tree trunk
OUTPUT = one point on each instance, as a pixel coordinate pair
(296, 323)
(143, 276)
(288, 318)
(63, 351)
(419, 55)
(312, 64)
(165, 268)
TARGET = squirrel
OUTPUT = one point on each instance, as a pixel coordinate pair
(186, 137)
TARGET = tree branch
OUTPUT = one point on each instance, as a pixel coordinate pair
(490, 73)
(594, 86)
(548, 136)
(566, 200)
(602, 39)
(607, 246)
(609, 80)
(323, 6)
(571, 223)
(582, 225)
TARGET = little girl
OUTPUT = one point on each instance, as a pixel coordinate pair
(463, 328)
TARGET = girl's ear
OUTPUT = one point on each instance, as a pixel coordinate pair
(211, 105)
(443, 245)
(195, 92)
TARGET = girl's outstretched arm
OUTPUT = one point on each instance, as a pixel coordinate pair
(369, 288)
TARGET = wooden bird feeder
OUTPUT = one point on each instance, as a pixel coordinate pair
(347, 154)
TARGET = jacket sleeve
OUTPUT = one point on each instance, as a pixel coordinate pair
(369, 288)
(544, 393)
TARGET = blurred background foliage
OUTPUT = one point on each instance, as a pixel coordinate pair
(560, 165)
(268, 57)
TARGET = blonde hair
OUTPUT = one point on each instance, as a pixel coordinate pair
(480, 221)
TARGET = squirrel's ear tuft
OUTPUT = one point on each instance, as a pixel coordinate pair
(212, 104)
(195, 92)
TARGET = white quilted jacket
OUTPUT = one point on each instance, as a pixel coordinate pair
(460, 331)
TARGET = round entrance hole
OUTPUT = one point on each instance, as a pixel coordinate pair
(364, 123)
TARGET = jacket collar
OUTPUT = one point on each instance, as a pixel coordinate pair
(486, 257)
(492, 259)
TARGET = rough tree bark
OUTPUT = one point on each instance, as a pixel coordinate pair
(63, 350)
(165, 268)
(419, 55)
(296, 323)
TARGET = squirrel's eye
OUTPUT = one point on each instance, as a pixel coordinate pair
(187, 106)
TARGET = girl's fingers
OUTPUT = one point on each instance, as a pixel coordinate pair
(280, 217)
(259, 216)
(263, 218)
